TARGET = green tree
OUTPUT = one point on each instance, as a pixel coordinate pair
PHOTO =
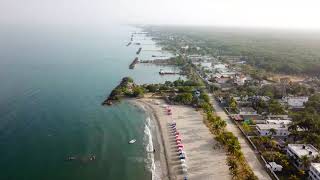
(233, 166)
(206, 107)
(305, 162)
(275, 107)
(128, 79)
(246, 128)
(138, 91)
(233, 104)
(272, 132)
(152, 87)
(293, 177)
(185, 98)
(205, 97)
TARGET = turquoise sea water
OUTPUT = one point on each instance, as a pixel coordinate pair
(53, 80)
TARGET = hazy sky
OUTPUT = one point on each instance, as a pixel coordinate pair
(261, 13)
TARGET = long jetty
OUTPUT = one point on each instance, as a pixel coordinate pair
(134, 62)
(139, 50)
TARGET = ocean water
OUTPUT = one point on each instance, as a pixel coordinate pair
(53, 80)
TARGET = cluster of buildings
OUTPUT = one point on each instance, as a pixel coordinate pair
(277, 126)
(301, 156)
(295, 102)
(218, 73)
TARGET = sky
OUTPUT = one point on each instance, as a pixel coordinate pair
(291, 14)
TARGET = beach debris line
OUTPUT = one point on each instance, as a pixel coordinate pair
(134, 62)
(126, 88)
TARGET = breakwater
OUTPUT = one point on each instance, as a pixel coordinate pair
(134, 62)
(139, 50)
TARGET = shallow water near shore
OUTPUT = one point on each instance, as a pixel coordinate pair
(53, 80)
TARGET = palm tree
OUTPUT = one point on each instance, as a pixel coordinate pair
(272, 132)
(293, 177)
(246, 128)
(305, 162)
(234, 147)
(233, 166)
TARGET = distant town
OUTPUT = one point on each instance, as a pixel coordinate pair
(276, 113)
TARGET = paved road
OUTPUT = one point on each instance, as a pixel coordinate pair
(248, 153)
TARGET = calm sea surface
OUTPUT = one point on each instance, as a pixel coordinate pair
(52, 82)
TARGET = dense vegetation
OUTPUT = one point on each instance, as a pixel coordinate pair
(277, 51)
(236, 161)
(126, 88)
(308, 121)
(267, 145)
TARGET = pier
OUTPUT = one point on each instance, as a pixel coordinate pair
(162, 72)
(129, 44)
(134, 62)
(139, 50)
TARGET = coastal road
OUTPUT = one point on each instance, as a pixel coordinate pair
(248, 153)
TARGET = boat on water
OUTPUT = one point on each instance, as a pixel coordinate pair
(70, 158)
(132, 141)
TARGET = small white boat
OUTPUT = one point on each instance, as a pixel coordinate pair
(132, 141)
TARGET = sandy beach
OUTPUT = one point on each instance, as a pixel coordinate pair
(206, 159)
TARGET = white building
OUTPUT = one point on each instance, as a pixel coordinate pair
(278, 121)
(296, 101)
(274, 166)
(195, 58)
(247, 111)
(222, 80)
(219, 66)
(265, 129)
(314, 173)
(185, 47)
(297, 151)
(206, 65)
(240, 80)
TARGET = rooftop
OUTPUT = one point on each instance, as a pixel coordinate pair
(247, 109)
(278, 121)
(316, 166)
(296, 101)
(303, 149)
(271, 126)
(277, 117)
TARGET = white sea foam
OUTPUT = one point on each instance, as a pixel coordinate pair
(150, 162)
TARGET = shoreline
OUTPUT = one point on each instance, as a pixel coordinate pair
(160, 156)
